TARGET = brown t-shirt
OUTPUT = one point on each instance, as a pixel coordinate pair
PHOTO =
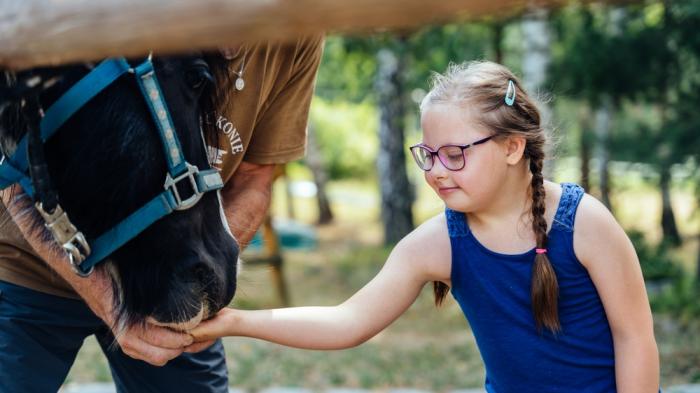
(264, 123)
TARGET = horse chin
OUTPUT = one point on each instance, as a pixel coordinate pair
(126, 319)
(182, 326)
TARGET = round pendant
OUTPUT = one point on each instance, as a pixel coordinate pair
(240, 84)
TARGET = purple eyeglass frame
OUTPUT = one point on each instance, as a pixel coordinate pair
(434, 153)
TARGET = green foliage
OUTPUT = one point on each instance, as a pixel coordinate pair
(646, 58)
(680, 300)
(671, 291)
(347, 70)
(431, 49)
(655, 261)
(347, 137)
(592, 57)
(349, 64)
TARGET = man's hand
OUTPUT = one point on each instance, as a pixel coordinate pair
(152, 344)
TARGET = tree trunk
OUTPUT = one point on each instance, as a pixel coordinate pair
(602, 118)
(396, 191)
(697, 273)
(697, 204)
(497, 42)
(536, 60)
(585, 149)
(668, 219)
(314, 160)
(664, 150)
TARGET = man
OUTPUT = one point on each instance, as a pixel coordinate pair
(262, 123)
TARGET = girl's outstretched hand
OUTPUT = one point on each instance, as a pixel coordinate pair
(208, 331)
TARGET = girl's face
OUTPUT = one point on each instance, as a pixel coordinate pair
(471, 188)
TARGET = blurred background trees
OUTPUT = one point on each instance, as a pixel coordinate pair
(619, 85)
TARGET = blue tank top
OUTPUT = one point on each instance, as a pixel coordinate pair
(493, 291)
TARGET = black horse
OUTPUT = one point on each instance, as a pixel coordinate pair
(107, 161)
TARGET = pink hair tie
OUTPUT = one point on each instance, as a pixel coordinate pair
(541, 250)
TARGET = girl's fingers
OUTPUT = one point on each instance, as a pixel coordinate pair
(211, 329)
(199, 346)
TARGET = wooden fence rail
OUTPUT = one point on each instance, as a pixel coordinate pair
(49, 32)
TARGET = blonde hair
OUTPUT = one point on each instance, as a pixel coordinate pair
(481, 88)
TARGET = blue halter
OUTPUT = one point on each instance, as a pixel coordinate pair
(84, 256)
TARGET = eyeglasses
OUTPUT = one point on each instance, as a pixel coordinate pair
(451, 156)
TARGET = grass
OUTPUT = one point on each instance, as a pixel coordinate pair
(404, 355)
(427, 348)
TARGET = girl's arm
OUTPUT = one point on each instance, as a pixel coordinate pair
(605, 250)
(422, 256)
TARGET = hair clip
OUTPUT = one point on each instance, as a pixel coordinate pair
(541, 250)
(510, 93)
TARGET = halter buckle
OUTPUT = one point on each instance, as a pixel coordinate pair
(171, 184)
(76, 258)
(71, 240)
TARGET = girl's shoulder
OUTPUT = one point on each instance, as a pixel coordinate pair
(597, 234)
(428, 248)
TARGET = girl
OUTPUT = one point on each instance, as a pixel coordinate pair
(548, 280)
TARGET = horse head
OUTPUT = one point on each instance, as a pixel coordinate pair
(107, 160)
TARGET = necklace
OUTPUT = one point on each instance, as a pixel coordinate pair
(240, 82)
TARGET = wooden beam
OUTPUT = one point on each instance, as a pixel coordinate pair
(49, 32)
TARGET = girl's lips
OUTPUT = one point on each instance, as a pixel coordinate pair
(447, 190)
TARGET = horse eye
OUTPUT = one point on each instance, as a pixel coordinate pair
(198, 76)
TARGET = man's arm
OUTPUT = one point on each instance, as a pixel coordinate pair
(246, 198)
(152, 344)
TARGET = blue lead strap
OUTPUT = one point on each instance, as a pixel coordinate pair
(157, 208)
(9, 173)
(127, 229)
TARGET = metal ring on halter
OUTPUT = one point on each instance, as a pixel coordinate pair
(171, 184)
(64, 233)
(76, 267)
(149, 58)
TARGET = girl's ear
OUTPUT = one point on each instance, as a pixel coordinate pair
(515, 148)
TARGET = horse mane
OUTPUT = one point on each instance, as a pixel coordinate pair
(214, 100)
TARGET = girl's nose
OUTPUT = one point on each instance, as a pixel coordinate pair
(438, 171)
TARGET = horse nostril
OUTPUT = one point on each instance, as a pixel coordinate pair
(201, 273)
